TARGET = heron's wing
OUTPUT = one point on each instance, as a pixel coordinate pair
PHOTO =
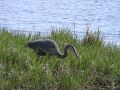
(41, 52)
(45, 46)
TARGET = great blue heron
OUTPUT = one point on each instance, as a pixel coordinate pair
(50, 47)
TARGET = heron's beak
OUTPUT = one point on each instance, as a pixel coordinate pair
(76, 54)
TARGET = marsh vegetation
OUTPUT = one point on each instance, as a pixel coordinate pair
(21, 68)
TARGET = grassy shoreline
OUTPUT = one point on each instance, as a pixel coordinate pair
(20, 67)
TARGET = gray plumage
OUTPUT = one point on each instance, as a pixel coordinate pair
(50, 47)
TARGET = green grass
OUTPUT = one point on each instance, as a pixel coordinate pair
(21, 68)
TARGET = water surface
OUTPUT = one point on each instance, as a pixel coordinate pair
(42, 14)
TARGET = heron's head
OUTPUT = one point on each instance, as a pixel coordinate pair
(72, 48)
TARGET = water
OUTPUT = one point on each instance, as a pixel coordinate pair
(42, 14)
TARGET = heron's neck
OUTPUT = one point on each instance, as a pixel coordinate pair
(65, 52)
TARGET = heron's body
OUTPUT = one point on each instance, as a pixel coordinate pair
(50, 47)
